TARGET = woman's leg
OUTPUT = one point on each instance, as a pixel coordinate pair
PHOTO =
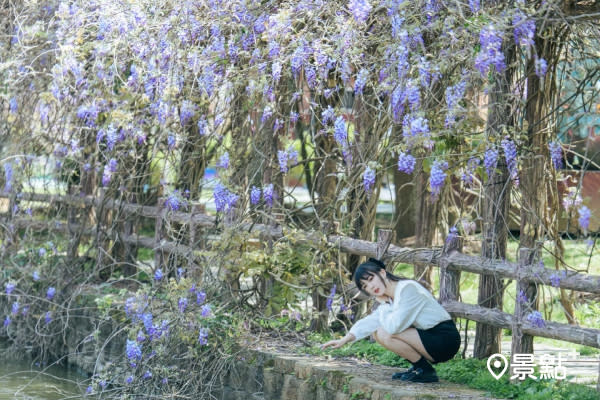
(406, 344)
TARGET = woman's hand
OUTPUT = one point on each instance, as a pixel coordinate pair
(336, 344)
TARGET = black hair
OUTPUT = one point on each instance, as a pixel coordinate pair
(369, 268)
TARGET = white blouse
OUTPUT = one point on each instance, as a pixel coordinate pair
(413, 306)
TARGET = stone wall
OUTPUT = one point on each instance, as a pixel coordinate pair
(268, 375)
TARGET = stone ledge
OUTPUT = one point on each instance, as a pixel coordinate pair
(275, 375)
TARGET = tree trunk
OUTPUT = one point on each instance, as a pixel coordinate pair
(426, 212)
(488, 339)
(404, 204)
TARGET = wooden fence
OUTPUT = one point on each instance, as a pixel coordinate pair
(449, 259)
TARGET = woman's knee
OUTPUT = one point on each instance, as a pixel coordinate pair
(382, 336)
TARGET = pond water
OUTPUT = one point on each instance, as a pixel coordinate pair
(20, 380)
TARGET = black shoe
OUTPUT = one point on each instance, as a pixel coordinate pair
(420, 376)
(400, 375)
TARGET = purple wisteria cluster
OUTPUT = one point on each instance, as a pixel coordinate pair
(340, 133)
(360, 9)
(491, 52)
(490, 160)
(267, 193)
(556, 154)
(175, 201)
(510, 155)
(285, 157)
(454, 94)
(331, 297)
(536, 319)
(555, 278)
(437, 177)
(8, 176)
(571, 199)
(540, 67)
(225, 200)
(406, 163)
(584, 218)
(224, 161)
(369, 179)
(468, 173)
(524, 29)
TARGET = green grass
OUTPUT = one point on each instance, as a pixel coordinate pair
(470, 372)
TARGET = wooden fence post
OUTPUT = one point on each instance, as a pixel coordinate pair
(525, 258)
(384, 238)
(195, 231)
(449, 280)
(159, 253)
(75, 231)
(100, 233)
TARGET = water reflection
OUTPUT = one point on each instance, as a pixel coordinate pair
(19, 380)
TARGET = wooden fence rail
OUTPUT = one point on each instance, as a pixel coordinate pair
(449, 258)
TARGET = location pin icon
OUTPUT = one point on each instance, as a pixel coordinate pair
(497, 361)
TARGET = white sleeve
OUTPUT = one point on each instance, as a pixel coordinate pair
(366, 326)
(401, 317)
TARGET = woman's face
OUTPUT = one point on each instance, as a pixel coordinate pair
(374, 284)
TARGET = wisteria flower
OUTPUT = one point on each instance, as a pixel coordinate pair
(369, 179)
(182, 304)
(200, 297)
(524, 29)
(468, 173)
(268, 194)
(8, 176)
(340, 134)
(490, 160)
(491, 51)
(206, 310)
(536, 319)
(10, 287)
(361, 80)
(556, 154)
(510, 155)
(282, 157)
(360, 9)
(158, 274)
(584, 218)
(133, 351)
(331, 296)
(224, 161)
(13, 105)
(203, 337)
(437, 177)
(522, 298)
(452, 234)
(556, 278)
(406, 163)
(174, 201)
(328, 115)
(255, 194)
(541, 67)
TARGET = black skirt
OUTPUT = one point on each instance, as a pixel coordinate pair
(442, 341)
